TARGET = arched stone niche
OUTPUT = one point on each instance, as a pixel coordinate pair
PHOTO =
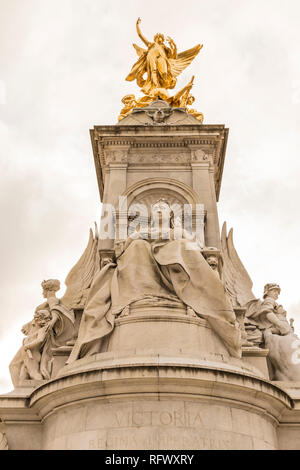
(177, 194)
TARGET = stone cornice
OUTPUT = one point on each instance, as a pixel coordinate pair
(108, 140)
(160, 375)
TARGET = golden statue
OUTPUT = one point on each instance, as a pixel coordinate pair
(161, 65)
(183, 99)
(131, 102)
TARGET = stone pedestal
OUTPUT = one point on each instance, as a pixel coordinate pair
(60, 356)
(289, 426)
(124, 404)
(258, 358)
(174, 387)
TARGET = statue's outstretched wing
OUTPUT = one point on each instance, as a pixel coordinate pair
(139, 50)
(237, 281)
(183, 60)
(79, 279)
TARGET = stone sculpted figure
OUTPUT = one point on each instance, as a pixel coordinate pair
(155, 265)
(213, 262)
(266, 315)
(53, 324)
(36, 335)
(267, 326)
(265, 321)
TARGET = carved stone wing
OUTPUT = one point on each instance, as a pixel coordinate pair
(237, 281)
(139, 50)
(79, 279)
(183, 60)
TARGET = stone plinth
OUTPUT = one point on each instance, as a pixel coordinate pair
(141, 394)
(170, 334)
(258, 358)
(126, 405)
(289, 427)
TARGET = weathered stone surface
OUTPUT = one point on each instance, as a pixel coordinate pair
(129, 408)
(162, 376)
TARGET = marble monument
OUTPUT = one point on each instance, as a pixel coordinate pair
(158, 341)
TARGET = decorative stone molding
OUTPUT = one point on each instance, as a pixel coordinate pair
(182, 191)
(158, 112)
(211, 139)
(199, 156)
(167, 158)
(115, 156)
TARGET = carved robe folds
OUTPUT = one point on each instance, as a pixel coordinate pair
(172, 269)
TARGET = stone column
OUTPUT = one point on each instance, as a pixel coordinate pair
(203, 184)
(115, 184)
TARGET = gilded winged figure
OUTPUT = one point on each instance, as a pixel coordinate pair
(160, 63)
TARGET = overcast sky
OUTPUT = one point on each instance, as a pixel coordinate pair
(63, 65)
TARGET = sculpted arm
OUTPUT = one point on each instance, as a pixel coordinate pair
(173, 50)
(52, 301)
(183, 95)
(283, 328)
(138, 29)
(54, 319)
(34, 343)
(268, 309)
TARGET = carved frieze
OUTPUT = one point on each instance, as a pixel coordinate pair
(115, 156)
(167, 158)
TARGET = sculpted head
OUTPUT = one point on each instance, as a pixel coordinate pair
(159, 38)
(128, 100)
(190, 100)
(51, 285)
(26, 328)
(158, 116)
(272, 290)
(212, 261)
(162, 216)
(281, 310)
(160, 207)
(41, 317)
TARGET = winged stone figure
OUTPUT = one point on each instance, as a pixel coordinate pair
(161, 64)
(53, 324)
